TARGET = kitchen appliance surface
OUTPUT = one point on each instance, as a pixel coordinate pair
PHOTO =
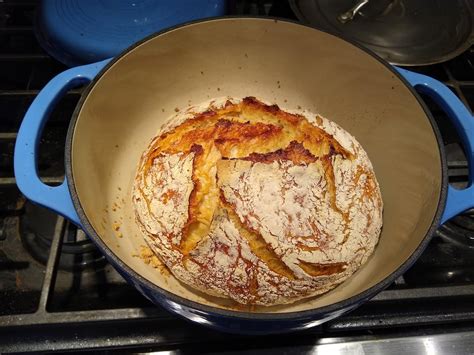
(76, 268)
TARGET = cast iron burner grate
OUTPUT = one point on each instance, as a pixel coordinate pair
(460, 230)
(57, 292)
(77, 252)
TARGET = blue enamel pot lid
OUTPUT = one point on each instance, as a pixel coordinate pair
(77, 32)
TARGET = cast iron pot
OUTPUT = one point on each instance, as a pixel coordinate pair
(130, 96)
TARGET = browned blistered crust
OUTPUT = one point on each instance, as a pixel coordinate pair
(228, 243)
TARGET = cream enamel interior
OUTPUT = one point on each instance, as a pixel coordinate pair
(278, 62)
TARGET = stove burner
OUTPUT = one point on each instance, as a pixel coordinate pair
(77, 252)
(459, 230)
(442, 262)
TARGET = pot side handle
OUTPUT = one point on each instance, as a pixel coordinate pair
(458, 200)
(57, 198)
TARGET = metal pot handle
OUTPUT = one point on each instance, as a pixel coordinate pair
(458, 200)
(57, 198)
(352, 12)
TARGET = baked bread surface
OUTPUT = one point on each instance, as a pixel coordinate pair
(246, 201)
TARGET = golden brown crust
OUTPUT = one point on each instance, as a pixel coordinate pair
(263, 206)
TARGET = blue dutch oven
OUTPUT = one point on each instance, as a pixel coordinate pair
(79, 32)
(130, 96)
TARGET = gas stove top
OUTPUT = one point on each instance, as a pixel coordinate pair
(57, 292)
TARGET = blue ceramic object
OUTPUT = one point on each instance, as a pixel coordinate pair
(457, 200)
(77, 32)
(61, 200)
(56, 198)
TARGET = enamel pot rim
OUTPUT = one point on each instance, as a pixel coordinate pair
(290, 316)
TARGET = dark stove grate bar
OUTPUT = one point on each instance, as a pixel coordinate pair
(385, 299)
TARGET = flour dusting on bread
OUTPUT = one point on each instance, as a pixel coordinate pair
(242, 200)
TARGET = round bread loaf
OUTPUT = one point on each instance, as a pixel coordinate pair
(246, 201)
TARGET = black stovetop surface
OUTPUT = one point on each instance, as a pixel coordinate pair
(58, 292)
